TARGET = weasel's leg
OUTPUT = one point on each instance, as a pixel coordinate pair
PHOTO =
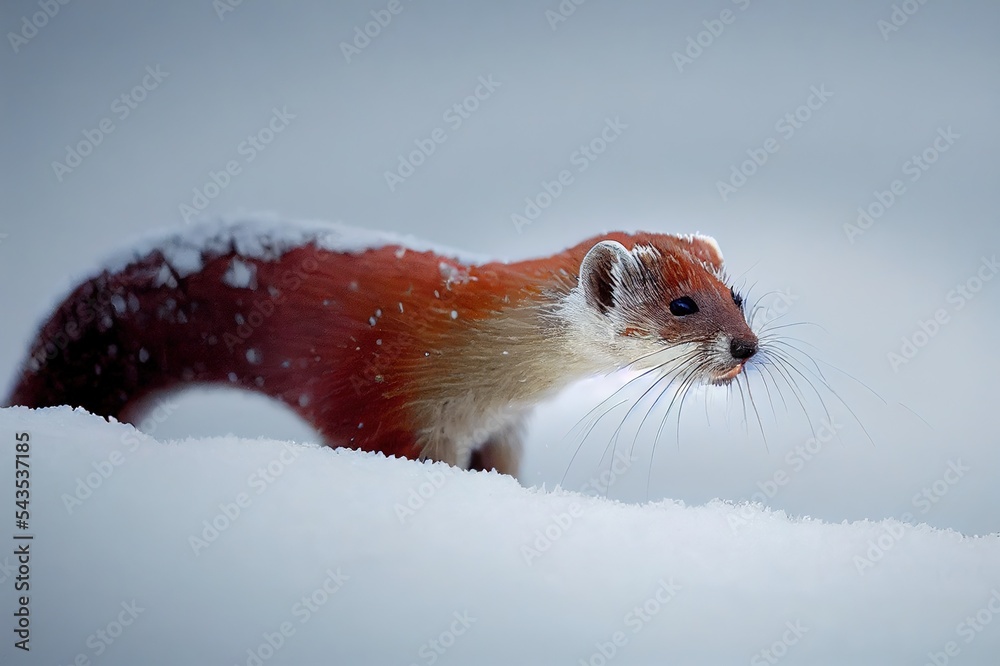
(502, 451)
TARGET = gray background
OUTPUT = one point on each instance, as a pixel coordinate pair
(783, 230)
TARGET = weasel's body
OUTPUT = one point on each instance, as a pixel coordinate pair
(380, 346)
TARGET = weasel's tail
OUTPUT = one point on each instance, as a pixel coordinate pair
(147, 327)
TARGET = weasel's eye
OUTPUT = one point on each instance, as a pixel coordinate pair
(682, 306)
(736, 297)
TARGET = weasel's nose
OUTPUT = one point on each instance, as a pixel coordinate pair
(742, 349)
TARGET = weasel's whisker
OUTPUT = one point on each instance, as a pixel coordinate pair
(687, 378)
(837, 369)
(790, 363)
(612, 444)
(589, 428)
(836, 395)
(763, 380)
(756, 413)
(787, 345)
(586, 434)
(626, 385)
(772, 361)
(768, 328)
(687, 381)
(635, 437)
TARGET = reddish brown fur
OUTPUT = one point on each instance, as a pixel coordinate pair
(319, 341)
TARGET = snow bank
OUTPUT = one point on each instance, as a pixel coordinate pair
(223, 551)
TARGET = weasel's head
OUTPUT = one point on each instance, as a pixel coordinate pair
(663, 303)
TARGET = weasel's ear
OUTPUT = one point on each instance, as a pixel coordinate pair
(706, 249)
(597, 273)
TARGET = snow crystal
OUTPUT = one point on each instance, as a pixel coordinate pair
(118, 303)
(266, 238)
(164, 276)
(254, 356)
(303, 400)
(143, 355)
(240, 274)
(232, 377)
(185, 260)
(452, 274)
(454, 314)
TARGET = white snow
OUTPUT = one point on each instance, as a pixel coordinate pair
(240, 274)
(216, 551)
(266, 238)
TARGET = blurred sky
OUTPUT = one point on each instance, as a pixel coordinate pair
(881, 93)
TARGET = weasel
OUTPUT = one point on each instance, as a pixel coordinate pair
(385, 344)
